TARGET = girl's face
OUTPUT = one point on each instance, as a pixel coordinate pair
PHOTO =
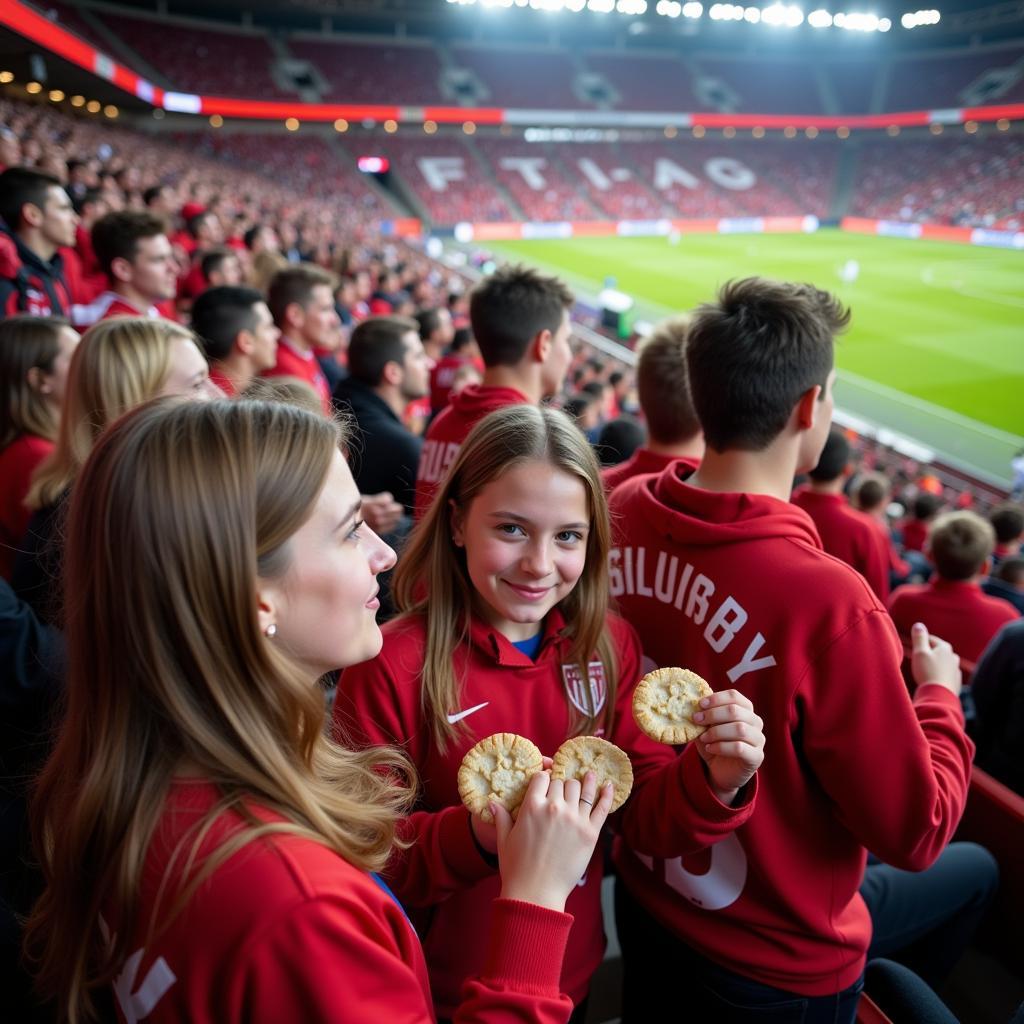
(325, 605)
(54, 383)
(525, 536)
(188, 375)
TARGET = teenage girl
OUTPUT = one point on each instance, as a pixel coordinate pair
(35, 352)
(505, 628)
(208, 851)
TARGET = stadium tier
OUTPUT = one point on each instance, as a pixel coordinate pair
(646, 82)
(956, 79)
(531, 78)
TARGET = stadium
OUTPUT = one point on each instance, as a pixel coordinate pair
(645, 153)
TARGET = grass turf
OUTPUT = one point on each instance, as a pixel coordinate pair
(938, 321)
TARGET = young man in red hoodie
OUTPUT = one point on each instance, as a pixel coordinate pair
(952, 602)
(521, 324)
(663, 386)
(845, 532)
(719, 573)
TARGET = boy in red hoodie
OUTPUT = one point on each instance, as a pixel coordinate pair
(719, 573)
(521, 324)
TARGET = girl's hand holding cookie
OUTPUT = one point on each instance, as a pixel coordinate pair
(732, 744)
(547, 850)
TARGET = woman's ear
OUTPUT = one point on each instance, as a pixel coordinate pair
(456, 518)
(268, 607)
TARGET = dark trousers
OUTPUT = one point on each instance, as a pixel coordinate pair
(653, 958)
(925, 919)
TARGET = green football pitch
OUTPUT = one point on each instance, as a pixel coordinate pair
(936, 342)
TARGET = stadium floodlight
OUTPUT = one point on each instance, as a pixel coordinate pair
(752, 14)
(916, 18)
(669, 8)
(884, 24)
(782, 14)
(819, 19)
(692, 9)
(601, 6)
(575, 5)
(631, 6)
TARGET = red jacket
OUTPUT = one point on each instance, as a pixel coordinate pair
(293, 362)
(30, 284)
(443, 376)
(958, 611)
(642, 461)
(445, 435)
(18, 461)
(737, 588)
(505, 691)
(323, 941)
(849, 535)
(915, 533)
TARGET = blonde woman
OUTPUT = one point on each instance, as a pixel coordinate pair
(35, 353)
(119, 364)
(504, 586)
(208, 851)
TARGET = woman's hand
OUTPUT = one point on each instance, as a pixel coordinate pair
(732, 745)
(546, 851)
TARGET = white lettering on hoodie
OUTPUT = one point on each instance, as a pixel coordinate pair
(628, 571)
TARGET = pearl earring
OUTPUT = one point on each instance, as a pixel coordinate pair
(270, 632)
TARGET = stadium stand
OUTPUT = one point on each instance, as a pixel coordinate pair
(611, 182)
(765, 86)
(946, 180)
(953, 79)
(648, 82)
(218, 59)
(853, 83)
(531, 78)
(71, 19)
(364, 72)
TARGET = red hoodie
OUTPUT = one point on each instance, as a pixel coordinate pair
(321, 941)
(957, 610)
(642, 461)
(445, 435)
(503, 690)
(737, 588)
(849, 535)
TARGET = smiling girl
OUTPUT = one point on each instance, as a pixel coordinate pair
(505, 628)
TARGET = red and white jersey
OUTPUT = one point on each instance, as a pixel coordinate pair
(737, 588)
(103, 307)
(503, 690)
(323, 941)
(445, 435)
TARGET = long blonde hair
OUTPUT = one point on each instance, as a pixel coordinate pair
(432, 581)
(119, 364)
(27, 342)
(188, 504)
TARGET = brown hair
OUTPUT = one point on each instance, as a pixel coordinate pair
(511, 307)
(959, 543)
(117, 235)
(753, 352)
(119, 364)
(871, 490)
(27, 342)
(295, 284)
(191, 504)
(375, 342)
(663, 384)
(432, 581)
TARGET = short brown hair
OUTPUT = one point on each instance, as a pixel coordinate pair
(1007, 520)
(511, 307)
(375, 342)
(959, 543)
(871, 490)
(753, 353)
(663, 384)
(117, 235)
(295, 283)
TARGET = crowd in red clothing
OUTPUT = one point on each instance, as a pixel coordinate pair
(219, 557)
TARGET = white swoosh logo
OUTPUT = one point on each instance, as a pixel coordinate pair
(452, 719)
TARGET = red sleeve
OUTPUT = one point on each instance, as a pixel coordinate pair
(896, 771)
(373, 708)
(333, 960)
(672, 810)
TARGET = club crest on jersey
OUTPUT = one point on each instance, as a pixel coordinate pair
(576, 687)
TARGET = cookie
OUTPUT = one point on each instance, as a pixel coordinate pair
(581, 754)
(664, 701)
(498, 768)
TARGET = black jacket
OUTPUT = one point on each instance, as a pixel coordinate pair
(385, 454)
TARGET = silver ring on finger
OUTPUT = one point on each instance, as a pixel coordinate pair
(584, 800)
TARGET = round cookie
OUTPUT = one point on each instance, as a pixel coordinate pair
(575, 757)
(664, 701)
(498, 768)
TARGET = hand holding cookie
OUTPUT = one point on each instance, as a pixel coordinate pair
(732, 743)
(549, 847)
